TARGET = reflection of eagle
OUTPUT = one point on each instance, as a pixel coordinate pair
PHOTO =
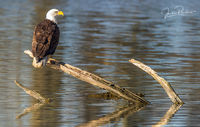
(45, 38)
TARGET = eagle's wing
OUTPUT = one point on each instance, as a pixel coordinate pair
(45, 39)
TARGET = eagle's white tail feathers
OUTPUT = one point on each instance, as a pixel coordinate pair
(41, 63)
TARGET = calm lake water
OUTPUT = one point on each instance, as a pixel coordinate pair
(100, 36)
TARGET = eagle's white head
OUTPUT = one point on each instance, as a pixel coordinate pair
(51, 14)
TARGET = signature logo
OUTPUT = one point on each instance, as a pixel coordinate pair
(176, 11)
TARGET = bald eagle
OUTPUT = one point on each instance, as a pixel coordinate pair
(45, 38)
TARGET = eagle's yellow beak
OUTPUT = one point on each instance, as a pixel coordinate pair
(60, 13)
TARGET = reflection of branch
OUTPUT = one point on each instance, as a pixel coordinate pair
(37, 96)
(29, 109)
(165, 119)
(167, 87)
(32, 93)
(93, 79)
(122, 112)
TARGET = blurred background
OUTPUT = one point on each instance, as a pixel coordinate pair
(100, 36)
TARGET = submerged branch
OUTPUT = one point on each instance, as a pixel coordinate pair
(93, 79)
(106, 96)
(167, 87)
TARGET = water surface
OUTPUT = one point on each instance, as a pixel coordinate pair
(100, 36)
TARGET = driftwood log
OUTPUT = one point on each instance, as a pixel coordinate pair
(166, 86)
(94, 80)
(111, 87)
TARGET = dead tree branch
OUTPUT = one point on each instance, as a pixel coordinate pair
(94, 80)
(167, 87)
(33, 93)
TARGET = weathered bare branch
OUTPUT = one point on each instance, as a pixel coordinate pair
(94, 80)
(167, 87)
(33, 93)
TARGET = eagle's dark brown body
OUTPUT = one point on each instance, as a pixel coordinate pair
(45, 39)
